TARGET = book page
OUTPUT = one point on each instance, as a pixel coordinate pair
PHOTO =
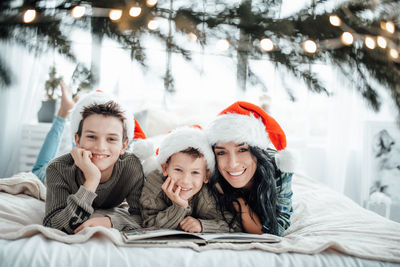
(164, 235)
(239, 237)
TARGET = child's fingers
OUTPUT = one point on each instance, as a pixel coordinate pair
(80, 227)
(166, 183)
(171, 186)
(75, 151)
(177, 191)
(192, 225)
(86, 154)
(188, 227)
(185, 222)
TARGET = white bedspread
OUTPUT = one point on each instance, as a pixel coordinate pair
(323, 219)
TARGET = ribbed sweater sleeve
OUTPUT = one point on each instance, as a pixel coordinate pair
(156, 211)
(121, 219)
(65, 211)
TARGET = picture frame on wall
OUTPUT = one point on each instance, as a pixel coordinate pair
(381, 167)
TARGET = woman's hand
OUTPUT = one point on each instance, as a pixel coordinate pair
(168, 188)
(92, 174)
(98, 221)
(191, 225)
(251, 224)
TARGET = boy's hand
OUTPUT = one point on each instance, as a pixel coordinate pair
(90, 171)
(191, 225)
(98, 221)
(168, 188)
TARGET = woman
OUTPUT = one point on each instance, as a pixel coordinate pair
(252, 181)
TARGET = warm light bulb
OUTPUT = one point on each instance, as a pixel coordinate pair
(192, 36)
(135, 11)
(389, 26)
(394, 53)
(115, 14)
(310, 46)
(347, 38)
(335, 20)
(153, 25)
(151, 3)
(222, 45)
(78, 11)
(370, 42)
(266, 44)
(29, 15)
(382, 43)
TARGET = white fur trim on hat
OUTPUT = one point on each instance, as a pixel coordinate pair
(239, 129)
(97, 97)
(183, 138)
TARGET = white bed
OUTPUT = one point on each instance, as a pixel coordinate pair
(328, 229)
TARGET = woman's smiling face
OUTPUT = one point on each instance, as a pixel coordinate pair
(236, 163)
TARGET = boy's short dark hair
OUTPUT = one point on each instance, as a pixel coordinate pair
(191, 151)
(109, 109)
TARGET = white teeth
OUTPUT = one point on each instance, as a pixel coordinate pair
(185, 189)
(236, 173)
(99, 156)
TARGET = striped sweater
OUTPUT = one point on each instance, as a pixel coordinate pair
(158, 211)
(69, 203)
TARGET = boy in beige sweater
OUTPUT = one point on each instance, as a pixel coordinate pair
(174, 195)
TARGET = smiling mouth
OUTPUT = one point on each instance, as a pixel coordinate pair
(99, 156)
(185, 189)
(236, 173)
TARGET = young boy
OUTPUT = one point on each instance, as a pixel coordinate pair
(173, 195)
(97, 174)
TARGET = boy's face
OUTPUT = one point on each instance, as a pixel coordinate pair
(102, 136)
(188, 172)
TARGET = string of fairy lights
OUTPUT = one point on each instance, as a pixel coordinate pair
(347, 38)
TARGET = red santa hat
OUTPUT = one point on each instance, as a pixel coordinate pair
(134, 131)
(243, 122)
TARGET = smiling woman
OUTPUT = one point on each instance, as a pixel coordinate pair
(236, 163)
(252, 181)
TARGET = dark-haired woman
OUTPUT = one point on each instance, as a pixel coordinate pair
(252, 181)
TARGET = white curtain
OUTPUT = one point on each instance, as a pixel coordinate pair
(20, 102)
(328, 132)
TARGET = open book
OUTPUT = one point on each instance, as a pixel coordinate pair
(164, 236)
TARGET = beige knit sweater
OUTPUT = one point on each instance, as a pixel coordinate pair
(69, 203)
(158, 211)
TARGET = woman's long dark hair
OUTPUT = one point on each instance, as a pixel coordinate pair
(261, 197)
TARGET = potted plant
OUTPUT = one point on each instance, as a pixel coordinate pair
(48, 108)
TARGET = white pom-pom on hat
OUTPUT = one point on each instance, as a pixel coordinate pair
(285, 160)
(144, 150)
